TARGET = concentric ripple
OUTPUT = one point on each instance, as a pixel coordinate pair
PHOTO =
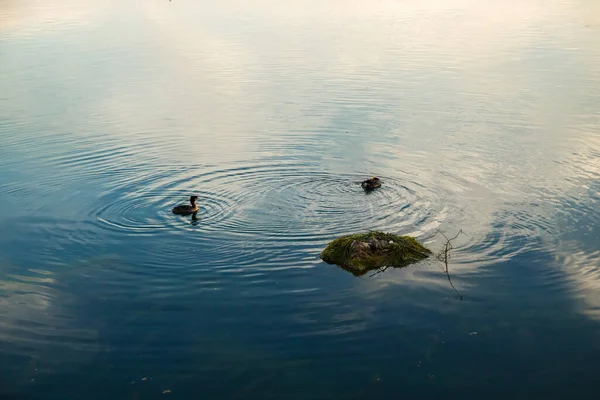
(286, 202)
(150, 213)
(252, 219)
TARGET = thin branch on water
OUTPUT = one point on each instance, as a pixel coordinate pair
(380, 270)
(445, 254)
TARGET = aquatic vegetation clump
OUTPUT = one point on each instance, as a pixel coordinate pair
(363, 252)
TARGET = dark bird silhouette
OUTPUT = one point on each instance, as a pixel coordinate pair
(371, 184)
(187, 209)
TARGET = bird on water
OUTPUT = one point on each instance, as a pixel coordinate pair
(371, 184)
(187, 209)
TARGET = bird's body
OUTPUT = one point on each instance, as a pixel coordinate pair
(371, 184)
(192, 208)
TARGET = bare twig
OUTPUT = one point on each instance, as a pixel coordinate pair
(380, 270)
(444, 255)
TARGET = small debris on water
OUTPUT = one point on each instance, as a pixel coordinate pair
(472, 333)
(166, 391)
(144, 379)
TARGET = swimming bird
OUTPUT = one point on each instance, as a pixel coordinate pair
(185, 209)
(371, 184)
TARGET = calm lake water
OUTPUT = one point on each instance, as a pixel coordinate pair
(478, 115)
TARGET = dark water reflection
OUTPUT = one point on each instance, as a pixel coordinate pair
(476, 115)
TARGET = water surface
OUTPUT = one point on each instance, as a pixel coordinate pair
(476, 115)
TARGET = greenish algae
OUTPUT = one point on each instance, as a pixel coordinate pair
(363, 252)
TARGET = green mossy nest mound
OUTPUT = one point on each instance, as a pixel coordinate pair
(364, 252)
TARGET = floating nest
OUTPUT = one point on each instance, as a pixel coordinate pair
(364, 252)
